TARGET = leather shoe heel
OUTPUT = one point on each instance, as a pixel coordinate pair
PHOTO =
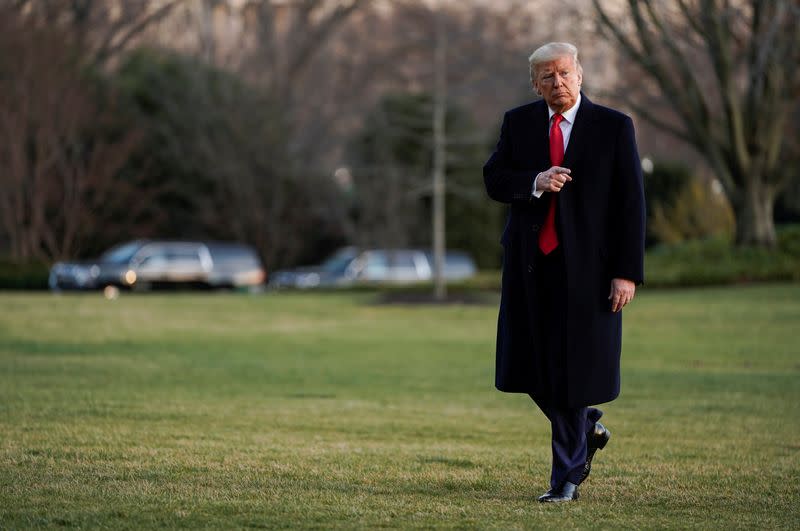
(599, 437)
(596, 440)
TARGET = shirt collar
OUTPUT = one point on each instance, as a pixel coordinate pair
(569, 114)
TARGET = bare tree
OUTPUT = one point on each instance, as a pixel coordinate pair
(100, 28)
(396, 189)
(438, 171)
(728, 69)
(289, 38)
(59, 155)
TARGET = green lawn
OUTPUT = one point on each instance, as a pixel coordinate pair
(327, 411)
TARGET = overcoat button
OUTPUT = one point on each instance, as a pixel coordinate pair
(530, 269)
(536, 227)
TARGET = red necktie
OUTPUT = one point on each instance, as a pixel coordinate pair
(548, 239)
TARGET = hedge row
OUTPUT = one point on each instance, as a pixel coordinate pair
(715, 261)
(23, 276)
(705, 263)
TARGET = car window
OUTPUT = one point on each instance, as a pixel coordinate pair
(457, 264)
(376, 264)
(153, 259)
(338, 263)
(402, 259)
(232, 255)
(183, 254)
(120, 254)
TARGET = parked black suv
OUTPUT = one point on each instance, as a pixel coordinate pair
(149, 264)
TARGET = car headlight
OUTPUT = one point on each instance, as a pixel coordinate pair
(81, 275)
(130, 277)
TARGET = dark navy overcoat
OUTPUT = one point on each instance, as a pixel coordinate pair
(600, 222)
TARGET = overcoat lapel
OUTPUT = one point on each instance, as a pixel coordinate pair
(577, 138)
(539, 136)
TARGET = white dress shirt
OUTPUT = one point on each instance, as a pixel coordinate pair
(566, 129)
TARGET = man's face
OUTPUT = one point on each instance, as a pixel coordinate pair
(558, 82)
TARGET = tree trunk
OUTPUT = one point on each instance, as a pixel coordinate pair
(755, 224)
(439, 158)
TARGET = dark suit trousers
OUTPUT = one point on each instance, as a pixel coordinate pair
(569, 425)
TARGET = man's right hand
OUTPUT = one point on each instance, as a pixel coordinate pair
(552, 180)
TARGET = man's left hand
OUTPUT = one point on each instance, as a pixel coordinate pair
(622, 291)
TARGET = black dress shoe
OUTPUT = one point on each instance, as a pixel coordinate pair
(568, 492)
(595, 440)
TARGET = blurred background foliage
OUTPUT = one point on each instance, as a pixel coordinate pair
(684, 206)
(299, 127)
(395, 154)
(215, 157)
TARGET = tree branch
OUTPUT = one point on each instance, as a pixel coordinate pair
(116, 39)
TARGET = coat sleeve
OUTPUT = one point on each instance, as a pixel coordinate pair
(503, 182)
(628, 214)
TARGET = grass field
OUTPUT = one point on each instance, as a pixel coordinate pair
(328, 411)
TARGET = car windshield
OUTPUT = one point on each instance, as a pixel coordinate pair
(338, 262)
(121, 254)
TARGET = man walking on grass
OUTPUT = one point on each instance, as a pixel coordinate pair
(573, 255)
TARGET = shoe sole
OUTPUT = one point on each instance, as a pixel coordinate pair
(574, 498)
